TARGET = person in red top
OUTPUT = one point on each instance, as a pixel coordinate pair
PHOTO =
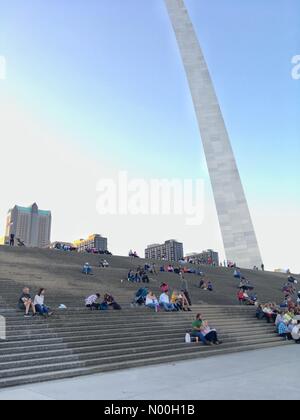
(241, 296)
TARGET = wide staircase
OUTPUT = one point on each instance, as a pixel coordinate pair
(78, 341)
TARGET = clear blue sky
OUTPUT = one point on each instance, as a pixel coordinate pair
(107, 74)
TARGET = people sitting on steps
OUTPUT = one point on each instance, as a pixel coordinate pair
(92, 302)
(196, 330)
(26, 303)
(145, 278)
(210, 334)
(292, 280)
(103, 263)
(170, 268)
(245, 284)
(283, 331)
(110, 303)
(87, 269)
(286, 321)
(152, 301)
(237, 274)
(165, 303)
(138, 276)
(206, 285)
(241, 295)
(180, 301)
(39, 304)
(296, 332)
(140, 297)
(270, 313)
(131, 276)
(152, 269)
(133, 254)
(288, 290)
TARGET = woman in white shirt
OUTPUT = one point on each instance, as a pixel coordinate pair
(40, 305)
(296, 332)
(152, 302)
(210, 334)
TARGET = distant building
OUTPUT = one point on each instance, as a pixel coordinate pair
(171, 251)
(206, 257)
(30, 225)
(93, 242)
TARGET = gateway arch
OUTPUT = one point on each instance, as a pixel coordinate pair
(237, 229)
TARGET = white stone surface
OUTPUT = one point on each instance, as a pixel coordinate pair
(237, 229)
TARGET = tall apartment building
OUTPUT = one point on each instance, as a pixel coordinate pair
(29, 224)
(93, 242)
(171, 251)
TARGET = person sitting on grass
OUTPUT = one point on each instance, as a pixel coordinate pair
(164, 301)
(39, 304)
(152, 302)
(210, 334)
(26, 303)
(196, 330)
(92, 302)
(87, 269)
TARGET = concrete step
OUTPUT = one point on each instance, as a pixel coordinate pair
(124, 352)
(111, 356)
(17, 353)
(133, 330)
(30, 377)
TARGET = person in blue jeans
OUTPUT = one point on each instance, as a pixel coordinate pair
(39, 304)
(164, 301)
(196, 329)
(152, 302)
